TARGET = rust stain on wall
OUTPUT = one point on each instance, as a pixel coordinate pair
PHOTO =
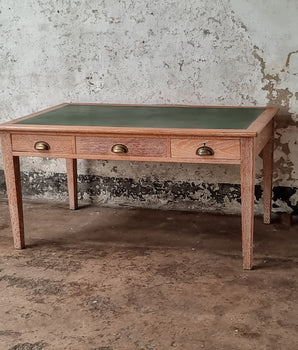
(281, 97)
(277, 97)
(289, 57)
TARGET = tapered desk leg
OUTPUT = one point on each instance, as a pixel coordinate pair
(14, 191)
(247, 199)
(71, 168)
(267, 155)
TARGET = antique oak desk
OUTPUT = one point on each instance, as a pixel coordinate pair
(191, 134)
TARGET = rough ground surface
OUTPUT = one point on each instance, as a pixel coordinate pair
(109, 279)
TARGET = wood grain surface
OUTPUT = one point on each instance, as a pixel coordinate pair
(14, 191)
(223, 148)
(58, 144)
(247, 199)
(137, 147)
(267, 155)
(263, 137)
(71, 169)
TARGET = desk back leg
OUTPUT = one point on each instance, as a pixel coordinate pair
(71, 168)
(247, 199)
(14, 191)
(267, 155)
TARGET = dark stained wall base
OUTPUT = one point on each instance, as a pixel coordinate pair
(149, 193)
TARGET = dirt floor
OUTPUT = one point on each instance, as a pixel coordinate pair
(108, 279)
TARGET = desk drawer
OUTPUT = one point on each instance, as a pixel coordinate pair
(221, 148)
(56, 144)
(136, 147)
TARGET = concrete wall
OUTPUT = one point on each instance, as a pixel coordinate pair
(228, 52)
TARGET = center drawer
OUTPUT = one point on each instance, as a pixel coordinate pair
(131, 146)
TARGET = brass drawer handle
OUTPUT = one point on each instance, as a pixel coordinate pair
(41, 146)
(119, 148)
(205, 151)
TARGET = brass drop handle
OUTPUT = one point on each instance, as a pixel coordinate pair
(205, 151)
(119, 148)
(41, 146)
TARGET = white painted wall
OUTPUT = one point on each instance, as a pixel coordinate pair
(224, 52)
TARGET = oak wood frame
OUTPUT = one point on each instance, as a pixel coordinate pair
(256, 139)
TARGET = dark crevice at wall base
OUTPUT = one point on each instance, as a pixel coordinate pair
(150, 193)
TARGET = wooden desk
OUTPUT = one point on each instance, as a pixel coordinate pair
(188, 134)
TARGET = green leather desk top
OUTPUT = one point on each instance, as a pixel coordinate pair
(147, 117)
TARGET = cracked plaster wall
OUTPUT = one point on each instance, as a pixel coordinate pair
(226, 52)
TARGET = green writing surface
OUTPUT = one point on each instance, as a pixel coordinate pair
(147, 117)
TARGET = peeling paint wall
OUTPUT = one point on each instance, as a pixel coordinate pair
(228, 52)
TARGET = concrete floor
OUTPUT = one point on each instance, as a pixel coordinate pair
(108, 279)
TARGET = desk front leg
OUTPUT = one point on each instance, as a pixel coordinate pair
(247, 199)
(14, 191)
(71, 168)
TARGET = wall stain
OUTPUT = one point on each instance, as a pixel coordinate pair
(284, 164)
(284, 195)
(152, 193)
(213, 19)
(276, 97)
(289, 57)
(280, 97)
